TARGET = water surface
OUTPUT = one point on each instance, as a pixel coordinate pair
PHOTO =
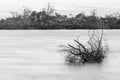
(33, 55)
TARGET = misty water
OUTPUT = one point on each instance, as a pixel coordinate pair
(33, 55)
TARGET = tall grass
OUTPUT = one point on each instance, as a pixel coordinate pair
(93, 52)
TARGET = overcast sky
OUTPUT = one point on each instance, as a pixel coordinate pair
(63, 6)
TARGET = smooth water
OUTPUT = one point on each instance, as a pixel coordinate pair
(33, 55)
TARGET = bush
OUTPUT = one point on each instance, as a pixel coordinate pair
(93, 52)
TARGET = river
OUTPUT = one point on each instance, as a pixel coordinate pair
(33, 55)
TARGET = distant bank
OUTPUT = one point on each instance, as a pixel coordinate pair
(48, 18)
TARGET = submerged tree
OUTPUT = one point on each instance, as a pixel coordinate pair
(93, 52)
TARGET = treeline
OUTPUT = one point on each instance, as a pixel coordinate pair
(49, 19)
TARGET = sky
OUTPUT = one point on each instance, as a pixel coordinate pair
(62, 6)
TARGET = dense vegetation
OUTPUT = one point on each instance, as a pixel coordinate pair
(49, 19)
(94, 51)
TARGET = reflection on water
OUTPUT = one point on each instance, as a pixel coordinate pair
(33, 55)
